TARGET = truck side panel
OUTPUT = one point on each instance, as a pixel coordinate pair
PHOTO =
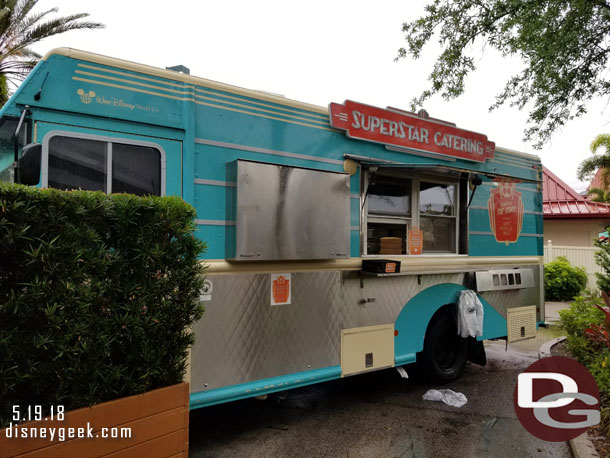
(244, 345)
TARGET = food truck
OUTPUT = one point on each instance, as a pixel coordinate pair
(341, 239)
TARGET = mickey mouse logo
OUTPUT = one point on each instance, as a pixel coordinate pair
(86, 97)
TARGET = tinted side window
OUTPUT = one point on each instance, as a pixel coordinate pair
(77, 163)
(136, 169)
(102, 165)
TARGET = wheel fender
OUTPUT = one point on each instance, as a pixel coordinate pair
(412, 322)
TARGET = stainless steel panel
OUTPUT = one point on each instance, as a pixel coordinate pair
(290, 213)
(502, 300)
(492, 280)
(242, 338)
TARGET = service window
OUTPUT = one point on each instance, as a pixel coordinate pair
(389, 215)
(103, 165)
(394, 203)
(438, 217)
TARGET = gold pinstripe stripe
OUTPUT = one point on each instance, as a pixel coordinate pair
(191, 99)
(114, 78)
(512, 152)
(144, 78)
(174, 76)
(325, 123)
(315, 116)
(501, 161)
(518, 159)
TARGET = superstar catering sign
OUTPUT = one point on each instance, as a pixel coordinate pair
(399, 129)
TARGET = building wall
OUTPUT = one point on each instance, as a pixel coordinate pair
(580, 232)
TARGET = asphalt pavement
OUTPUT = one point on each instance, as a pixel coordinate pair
(381, 415)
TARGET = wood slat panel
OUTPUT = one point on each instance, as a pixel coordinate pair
(142, 430)
(187, 400)
(161, 447)
(107, 414)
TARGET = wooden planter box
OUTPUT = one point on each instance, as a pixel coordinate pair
(159, 422)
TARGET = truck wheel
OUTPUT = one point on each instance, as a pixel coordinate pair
(444, 354)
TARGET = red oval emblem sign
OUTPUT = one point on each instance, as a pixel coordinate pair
(556, 399)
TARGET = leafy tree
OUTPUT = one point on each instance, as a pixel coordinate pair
(20, 28)
(3, 90)
(563, 44)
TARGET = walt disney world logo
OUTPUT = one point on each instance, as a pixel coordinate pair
(86, 97)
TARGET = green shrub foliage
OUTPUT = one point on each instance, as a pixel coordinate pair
(562, 281)
(602, 258)
(581, 314)
(595, 356)
(97, 294)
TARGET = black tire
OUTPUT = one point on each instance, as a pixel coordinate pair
(444, 354)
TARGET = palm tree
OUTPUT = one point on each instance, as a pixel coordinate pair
(20, 29)
(599, 195)
(601, 161)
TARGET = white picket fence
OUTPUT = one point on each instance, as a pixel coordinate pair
(580, 256)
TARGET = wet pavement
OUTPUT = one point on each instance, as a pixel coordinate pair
(379, 415)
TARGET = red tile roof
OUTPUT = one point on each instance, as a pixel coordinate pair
(559, 200)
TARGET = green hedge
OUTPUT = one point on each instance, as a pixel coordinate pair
(97, 294)
(602, 259)
(562, 281)
(574, 320)
(580, 316)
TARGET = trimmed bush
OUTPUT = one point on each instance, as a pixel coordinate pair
(562, 281)
(602, 258)
(97, 294)
(581, 315)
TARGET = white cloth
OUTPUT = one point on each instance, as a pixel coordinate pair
(449, 397)
(470, 315)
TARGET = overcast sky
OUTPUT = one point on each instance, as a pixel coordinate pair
(317, 52)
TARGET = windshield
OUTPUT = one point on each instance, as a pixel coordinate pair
(7, 145)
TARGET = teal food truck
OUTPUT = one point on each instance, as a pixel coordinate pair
(341, 239)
